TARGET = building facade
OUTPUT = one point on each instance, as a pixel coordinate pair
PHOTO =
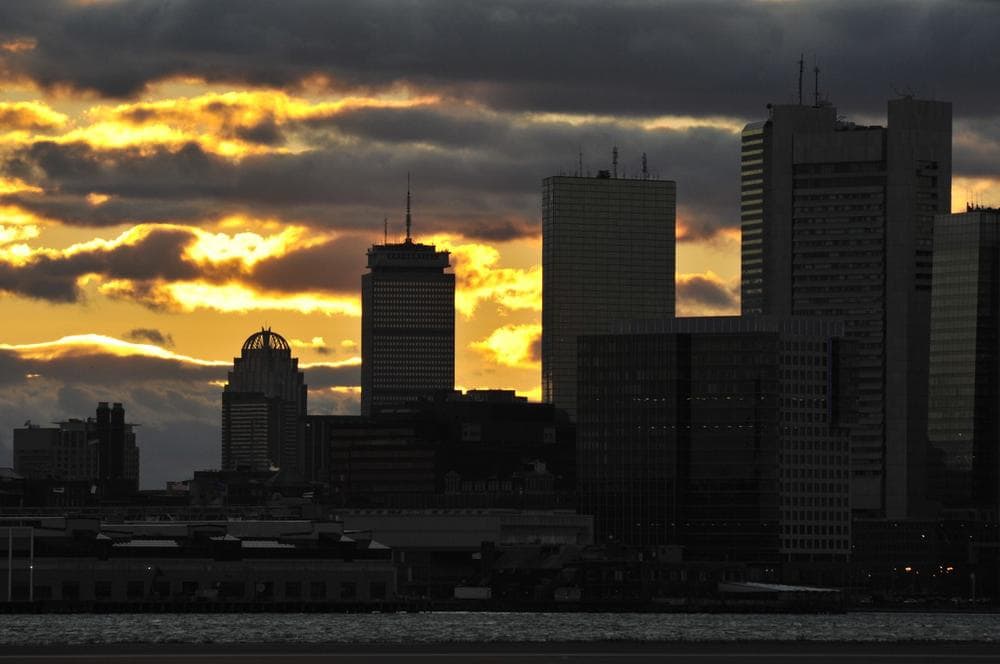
(407, 324)
(608, 254)
(484, 448)
(262, 405)
(100, 450)
(728, 436)
(963, 427)
(838, 223)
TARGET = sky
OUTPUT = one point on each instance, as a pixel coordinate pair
(175, 175)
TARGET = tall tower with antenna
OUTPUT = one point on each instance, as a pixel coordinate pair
(407, 322)
(409, 219)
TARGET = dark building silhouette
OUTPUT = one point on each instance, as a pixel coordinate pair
(837, 222)
(728, 436)
(607, 254)
(407, 323)
(482, 449)
(262, 405)
(964, 389)
(98, 452)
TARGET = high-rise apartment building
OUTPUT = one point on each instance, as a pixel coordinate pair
(407, 323)
(838, 223)
(963, 426)
(262, 405)
(727, 435)
(100, 449)
(607, 255)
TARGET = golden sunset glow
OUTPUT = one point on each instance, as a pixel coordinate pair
(188, 296)
(974, 191)
(513, 346)
(90, 344)
(478, 280)
(29, 116)
(249, 248)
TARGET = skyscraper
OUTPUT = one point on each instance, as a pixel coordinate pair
(727, 435)
(262, 405)
(963, 426)
(607, 255)
(407, 323)
(838, 223)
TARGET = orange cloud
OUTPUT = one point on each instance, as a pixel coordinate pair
(249, 248)
(512, 346)
(707, 294)
(231, 297)
(232, 124)
(478, 279)
(29, 116)
(19, 45)
(76, 345)
(90, 344)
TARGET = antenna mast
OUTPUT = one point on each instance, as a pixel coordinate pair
(816, 84)
(579, 171)
(385, 230)
(802, 64)
(614, 160)
(408, 221)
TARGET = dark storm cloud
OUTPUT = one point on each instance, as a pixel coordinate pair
(150, 335)
(481, 178)
(689, 57)
(54, 277)
(334, 266)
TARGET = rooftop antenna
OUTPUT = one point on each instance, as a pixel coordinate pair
(645, 167)
(614, 160)
(802, 64)
(579, 171)
(408, 220)
(816, 84)
(385, 230)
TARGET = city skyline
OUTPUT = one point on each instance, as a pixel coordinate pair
(156, 214)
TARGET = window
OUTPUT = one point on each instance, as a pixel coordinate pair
(70, 590)
(376, 590)
(135, 590)
(348, 590)
(317, 590)
(293, 589)
(102, 590)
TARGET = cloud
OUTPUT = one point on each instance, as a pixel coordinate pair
(478, 279)
(150, 335)
(175, 397)
(516, 346)
(707, 294)
(29, 116)
(548, 55)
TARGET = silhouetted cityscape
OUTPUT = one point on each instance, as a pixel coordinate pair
(836, 445)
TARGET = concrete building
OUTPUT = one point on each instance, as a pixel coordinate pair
(607, 255)
(262, 405)
(480, 449)
(837, 222)
(728, 436)
(407, 323)
(100, 451)
(175, 562)
(440, 549)
(963, 426)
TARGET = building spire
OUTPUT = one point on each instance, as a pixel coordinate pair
(408, 219)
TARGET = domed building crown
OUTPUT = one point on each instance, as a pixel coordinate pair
(266, 339)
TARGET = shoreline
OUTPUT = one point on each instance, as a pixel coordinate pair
(762, 647)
